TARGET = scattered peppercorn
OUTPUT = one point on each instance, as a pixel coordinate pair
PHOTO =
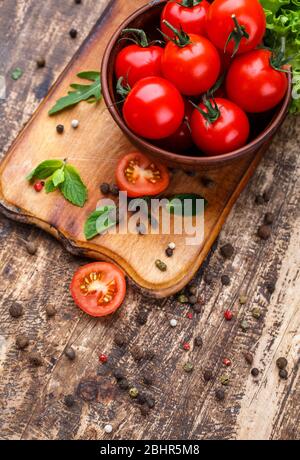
(75, 124)
(192, 290)
(207, 375)
(188, 368)
(123, 384)
(119, 375)
(227, 251)
(189, 315)
(244, 326)
(22, 342)
(228, 315)
(186, 346)
(120, 339)
(256, 313)
(173, 322)
(70, 353)
(69, 400)
(161, 265)
(283, 374)
(114, 190)
(169, 252)
(197, 308)
(142, 317)
(31, 247)
(259, 200)
(271, 286)
(103, 358)
(78, 2)
(248, 358)
(16, 310)
(133, 393)
(243, 299)
(182, 299)
(226, 362)
(105, 189)
(224, 380)
(144, 410)
(198, 341)
(264, 232)
(281, 363)
(220, 395)
(73, 33)
(255, 372)
(225, 280)
(141, 399)
(208, 278)
(50, 311)
(193, 300)
(172, 246)
(35, 359)
(150, 402)
(269, 218)
(60, 129)
(40, 62)
(38, 186)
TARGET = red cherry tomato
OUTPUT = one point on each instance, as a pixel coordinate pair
(154, 108)
(98, 288)
(181, 140)
(193, 68)
(139, 176)
(254, 84)
(138, 61)
(192, 18)
(222, 30)
(227, 133)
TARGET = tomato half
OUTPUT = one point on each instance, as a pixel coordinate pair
(185, 14)
(220, 25)
(154, 108)
(254, 84)
(139, 176)
(193, 68)
(228, 132)
(98, 288)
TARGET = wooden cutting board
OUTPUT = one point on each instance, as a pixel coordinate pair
(94, 148)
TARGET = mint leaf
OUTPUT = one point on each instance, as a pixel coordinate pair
(49, 186)
(99, 221)
(89, 93)
(58, 177)
(45, 169)
(73, 188)
(16, 73)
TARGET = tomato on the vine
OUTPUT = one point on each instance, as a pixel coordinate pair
(139, 60)
(188, 14)
(256, 81)
(98, 288)
(191, 62)
(140, 176)
(219, 126)
(153, 108)
(236, 26)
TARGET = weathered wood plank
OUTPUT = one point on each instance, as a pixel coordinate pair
(32, 400)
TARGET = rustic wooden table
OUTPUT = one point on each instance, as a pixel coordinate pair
(32, 399)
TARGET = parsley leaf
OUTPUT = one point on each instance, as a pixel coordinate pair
(73, 188)
(89, 93)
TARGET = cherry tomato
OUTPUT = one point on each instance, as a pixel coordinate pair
(185, 14)
(139, 176)
(181, 140)
(154, 108)
(227, 130)
(98, 288)
(254, 84)
(194, 67)
(138, 61)
(241, 34)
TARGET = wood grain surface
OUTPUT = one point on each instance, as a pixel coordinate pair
(32, 399)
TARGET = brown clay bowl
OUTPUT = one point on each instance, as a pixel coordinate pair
(263, 125)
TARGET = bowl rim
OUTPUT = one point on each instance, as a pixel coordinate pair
(166, 155)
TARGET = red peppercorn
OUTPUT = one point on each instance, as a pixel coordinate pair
(228, 315)
(103, 358)
(186, 346)
(189, 315)
(38, 186)
(226, 362)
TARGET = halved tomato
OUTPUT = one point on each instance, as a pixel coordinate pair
(98, 288)
(139, 176)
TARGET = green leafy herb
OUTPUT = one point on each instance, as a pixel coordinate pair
(16, 73)
(178, 206)
(99, 222)
(62, 176)
(283, 20)
(90, 93)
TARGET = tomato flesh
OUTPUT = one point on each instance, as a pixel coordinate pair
(139, 176)
(98, 288)
(191, 19)
(254, 84)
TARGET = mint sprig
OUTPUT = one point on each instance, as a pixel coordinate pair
(61, 176)
(100, 221)
(90, 93)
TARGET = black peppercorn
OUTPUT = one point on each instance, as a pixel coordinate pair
(198, 341)
(50, 311)
(150, 401)
(40, 62)
(283, 374)
(197, 308)
(192, 290)
(22, 342)
(141, 398)
(259, 200)
(269, 218)
(69, 400)
(225, 280)
(78, 2)
(193, 300)
(123, 384)
(169, 252)
(35, 359)
(227, 251)
(271, 286)
(281, 363)
(60, 129)
(220, 395)
(264, 232)
(254, 372)
(119, 375)
(114, 190)
(267, 196)
(73, 33)
(70, 353)
(208, 278)
(142, 317)
(16, 310)
(105, 188)
(207, 375)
